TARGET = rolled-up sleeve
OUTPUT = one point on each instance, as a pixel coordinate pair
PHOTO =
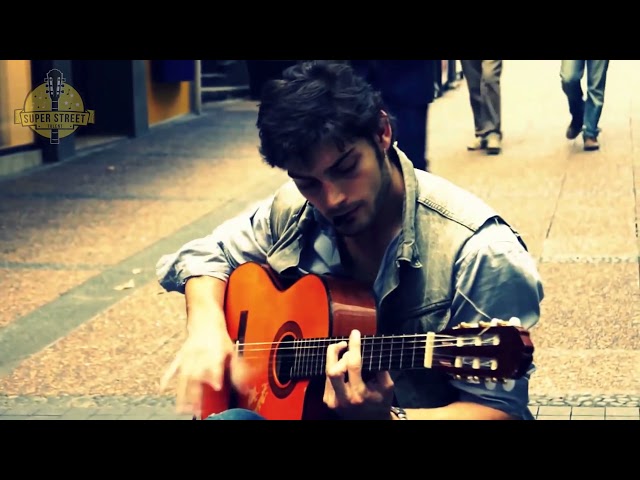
(246, 237)
(497, 278)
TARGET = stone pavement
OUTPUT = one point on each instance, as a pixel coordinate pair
(86, 332)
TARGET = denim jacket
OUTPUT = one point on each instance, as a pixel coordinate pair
(455, 260)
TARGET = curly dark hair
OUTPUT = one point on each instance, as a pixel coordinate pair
(314, 103)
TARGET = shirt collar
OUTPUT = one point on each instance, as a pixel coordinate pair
(407, 249)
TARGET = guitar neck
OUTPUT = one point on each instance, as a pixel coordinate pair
(308, 356)
(496, 352)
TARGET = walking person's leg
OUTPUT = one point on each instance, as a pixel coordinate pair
(571, 72)
(491, 102)
(426, 138)
(596, 81)
(411, 127)
(472, 72)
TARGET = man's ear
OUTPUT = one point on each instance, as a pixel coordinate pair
(385, 132)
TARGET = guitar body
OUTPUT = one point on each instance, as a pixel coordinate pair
(264, 316)
(282, 332)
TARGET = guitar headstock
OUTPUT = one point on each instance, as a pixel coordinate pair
(495, 350)
(55, 82)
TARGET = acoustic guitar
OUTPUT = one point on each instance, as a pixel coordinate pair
(282, 329)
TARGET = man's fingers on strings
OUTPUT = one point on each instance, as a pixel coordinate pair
(335, 365)
(194, 395)
(353, 359)
(380, 382)
(189, 396)
(329, 397)
(182, 391)
(337, 368)
(169, 373)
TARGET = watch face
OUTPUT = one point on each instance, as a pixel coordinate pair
(399, 412)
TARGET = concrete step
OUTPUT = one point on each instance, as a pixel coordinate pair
(213, 94)
(221, 80)
(214, 79)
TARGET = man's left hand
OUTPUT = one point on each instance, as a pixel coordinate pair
(345, 390)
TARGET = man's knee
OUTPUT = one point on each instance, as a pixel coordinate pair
(236, 414)
(570, 84)
(491, 71)
(570, 74)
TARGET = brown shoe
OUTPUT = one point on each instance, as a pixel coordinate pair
(591, 143)
(478, 143)
(494, 144)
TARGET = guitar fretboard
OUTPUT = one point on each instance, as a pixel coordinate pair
(308, 356)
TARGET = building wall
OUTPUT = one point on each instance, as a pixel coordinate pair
(166, 100)
(148, 100)
(15, 85)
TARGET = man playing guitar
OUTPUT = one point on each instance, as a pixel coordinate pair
(433, 256)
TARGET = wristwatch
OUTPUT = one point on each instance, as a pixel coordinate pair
(400, 413)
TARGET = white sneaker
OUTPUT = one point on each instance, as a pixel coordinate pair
(494, 144)
(478, 143)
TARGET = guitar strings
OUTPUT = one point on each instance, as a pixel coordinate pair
(305, 359)
(414, 341)
(322, 355)
(315, 364)
(314, 356)
(365, 338)
(311, 354)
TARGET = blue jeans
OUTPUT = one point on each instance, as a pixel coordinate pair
(585, 113)
(236, 414)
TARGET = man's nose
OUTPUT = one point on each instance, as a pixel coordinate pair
(333, 196)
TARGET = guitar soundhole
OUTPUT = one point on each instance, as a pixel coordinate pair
(282, 358)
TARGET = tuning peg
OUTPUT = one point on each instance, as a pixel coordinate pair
(496, 380)
(498, 322)
(468, 325)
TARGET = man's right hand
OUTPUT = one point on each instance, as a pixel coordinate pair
(203, 358)
(208, 353)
